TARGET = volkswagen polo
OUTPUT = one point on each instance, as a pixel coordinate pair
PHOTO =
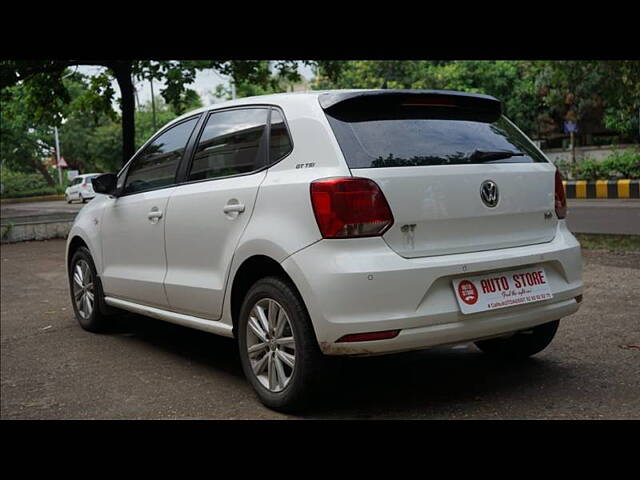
(316, 224)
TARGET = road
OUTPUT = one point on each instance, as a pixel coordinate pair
(39, 211)
(585, 216)
(148, 369)
(619, 216)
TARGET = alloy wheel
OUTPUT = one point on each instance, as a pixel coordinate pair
(271, 345)
(83, 289)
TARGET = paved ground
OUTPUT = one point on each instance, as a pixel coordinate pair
(150, 369)
(619, 216)
(39, 208)
(39, 211)
(586, 216)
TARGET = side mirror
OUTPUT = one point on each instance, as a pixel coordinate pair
(105, 183)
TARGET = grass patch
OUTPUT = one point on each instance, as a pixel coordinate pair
(612, 243)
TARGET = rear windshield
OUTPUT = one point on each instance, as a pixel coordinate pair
(406, 136)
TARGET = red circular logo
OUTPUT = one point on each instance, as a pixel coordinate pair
(467, 292)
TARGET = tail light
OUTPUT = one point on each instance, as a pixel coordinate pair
(560, 197)
(350, 207)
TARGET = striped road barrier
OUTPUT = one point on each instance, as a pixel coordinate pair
(602, 188)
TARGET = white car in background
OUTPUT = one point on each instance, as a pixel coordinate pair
(81, 188)
(356, 222)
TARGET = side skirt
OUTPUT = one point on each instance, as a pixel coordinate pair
(210, 326)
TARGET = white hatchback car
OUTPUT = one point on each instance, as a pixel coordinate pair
(355, 222)
(80, 188)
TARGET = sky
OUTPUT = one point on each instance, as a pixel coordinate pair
(205, 84)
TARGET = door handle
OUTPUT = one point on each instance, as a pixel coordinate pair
(154, 215)
(233, 207)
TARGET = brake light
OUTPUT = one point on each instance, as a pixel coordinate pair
(429, 101)
(350, 207)
(560, 197)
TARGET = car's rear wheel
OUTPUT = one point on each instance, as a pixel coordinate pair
(86, 292)
(521, 344)
(278, 348)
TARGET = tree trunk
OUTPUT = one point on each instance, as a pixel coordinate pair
(42, 169)
(122, 72)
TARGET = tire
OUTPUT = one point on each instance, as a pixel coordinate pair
(82, 199)
(287, 393)
(66, 198)
(522, 344)
(96, 320)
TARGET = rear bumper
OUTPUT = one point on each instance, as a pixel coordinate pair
(357, 286)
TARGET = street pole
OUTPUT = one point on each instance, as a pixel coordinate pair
(233, 89)
(153, 104)
(573, 149)
(58, 156)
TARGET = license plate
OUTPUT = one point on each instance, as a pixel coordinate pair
(499, 290)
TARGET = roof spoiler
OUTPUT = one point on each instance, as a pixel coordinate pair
(438, 98)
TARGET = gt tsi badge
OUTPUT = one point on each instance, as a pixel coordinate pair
(489, 193)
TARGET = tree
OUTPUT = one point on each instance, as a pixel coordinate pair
(23, 143)
(91, 140)
(46, 94)
(537, 95)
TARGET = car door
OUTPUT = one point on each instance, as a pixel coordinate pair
(73, 188)
(209, 211)
(133, 247)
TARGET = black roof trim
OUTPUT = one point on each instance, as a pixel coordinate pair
(330, 99)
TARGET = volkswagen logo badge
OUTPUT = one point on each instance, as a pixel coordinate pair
(489, 193)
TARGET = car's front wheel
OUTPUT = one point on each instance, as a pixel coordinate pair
(86, 292)
(521, 344)
(278, 348)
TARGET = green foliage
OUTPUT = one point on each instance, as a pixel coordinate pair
(269, 77)
(36, 192)
(20, 185)
(23, 142)
(625, 163)
(47, 97)
(620, 164)
(13, 182)
(144, 119)
(590, 169)
(537, 95)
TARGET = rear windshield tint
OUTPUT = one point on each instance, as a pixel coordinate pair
(406, 136)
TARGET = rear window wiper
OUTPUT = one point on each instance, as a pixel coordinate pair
(485, 156)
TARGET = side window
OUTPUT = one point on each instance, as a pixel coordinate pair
(279, 141)
(229, 144)
(156, 165)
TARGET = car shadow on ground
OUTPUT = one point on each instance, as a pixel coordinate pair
(434, 382)
(210, 350)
